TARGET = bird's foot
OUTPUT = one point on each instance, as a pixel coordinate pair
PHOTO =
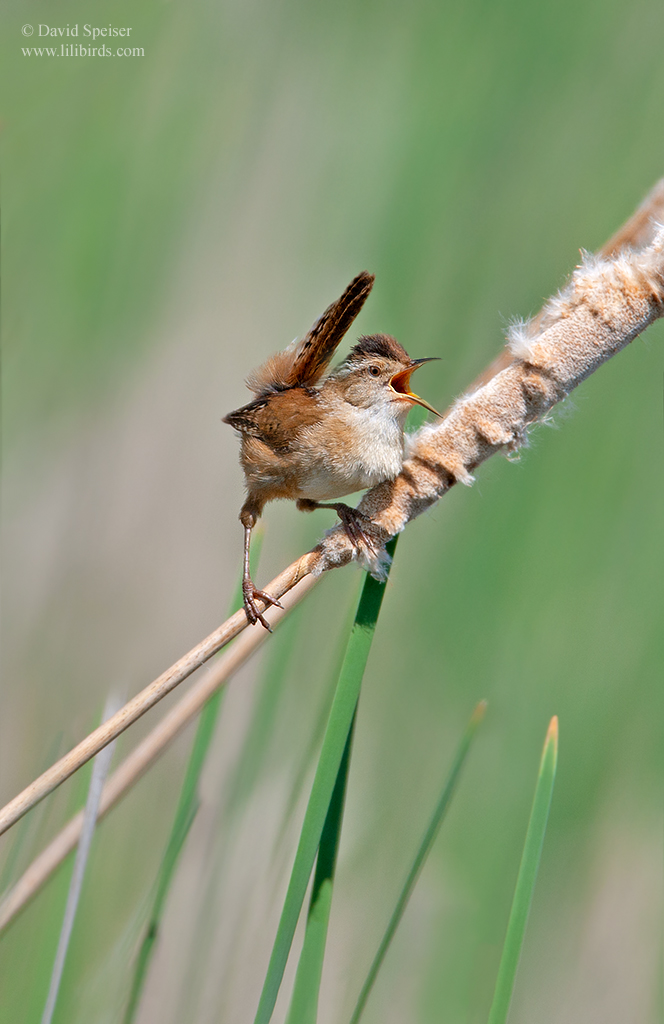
(353, 524)
(250, 594)
(353, 521)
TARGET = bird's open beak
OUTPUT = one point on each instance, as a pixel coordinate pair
(400, 383)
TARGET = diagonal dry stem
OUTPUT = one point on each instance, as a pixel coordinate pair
(146, 699)
(610, 299)
(144, 755)
(635, 233)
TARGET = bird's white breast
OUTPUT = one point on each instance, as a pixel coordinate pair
(356, 449)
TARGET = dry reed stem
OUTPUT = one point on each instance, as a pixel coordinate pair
(635, 233)
(609, 300)
(144, 755)
(146, 699)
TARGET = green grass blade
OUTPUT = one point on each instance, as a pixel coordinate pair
(420, 857)
(184, 816)
(304, 1001)
(100, 767)
(312, 749)
(334, 743)
(525, 883)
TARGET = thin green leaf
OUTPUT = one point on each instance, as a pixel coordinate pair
(525, 883)
(420, 857)
(101, 764)
(304, 1001)
(302, 770)
(184, 816)
(334, 743)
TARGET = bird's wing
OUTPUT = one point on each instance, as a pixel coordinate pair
(277, 419)
(304, 364)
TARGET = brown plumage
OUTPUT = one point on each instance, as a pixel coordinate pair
(305, 363)
(311, 438)
(275, 419)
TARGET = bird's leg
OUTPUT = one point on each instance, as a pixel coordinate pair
(351, 520)
(249, 591)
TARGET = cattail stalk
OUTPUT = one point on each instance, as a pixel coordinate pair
(611, 298)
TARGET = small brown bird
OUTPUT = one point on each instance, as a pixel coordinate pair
(310, 437)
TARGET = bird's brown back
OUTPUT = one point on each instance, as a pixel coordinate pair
(277, 418)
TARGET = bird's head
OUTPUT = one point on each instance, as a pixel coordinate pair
(376, 374)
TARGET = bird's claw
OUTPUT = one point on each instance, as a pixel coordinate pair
(351, 520)
(253, 612)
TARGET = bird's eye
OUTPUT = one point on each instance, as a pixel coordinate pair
(374, 371)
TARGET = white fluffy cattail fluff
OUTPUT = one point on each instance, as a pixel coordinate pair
(609, 300)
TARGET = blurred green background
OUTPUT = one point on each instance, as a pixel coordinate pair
(168, 221)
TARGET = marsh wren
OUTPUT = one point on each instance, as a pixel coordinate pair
(313, 437)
